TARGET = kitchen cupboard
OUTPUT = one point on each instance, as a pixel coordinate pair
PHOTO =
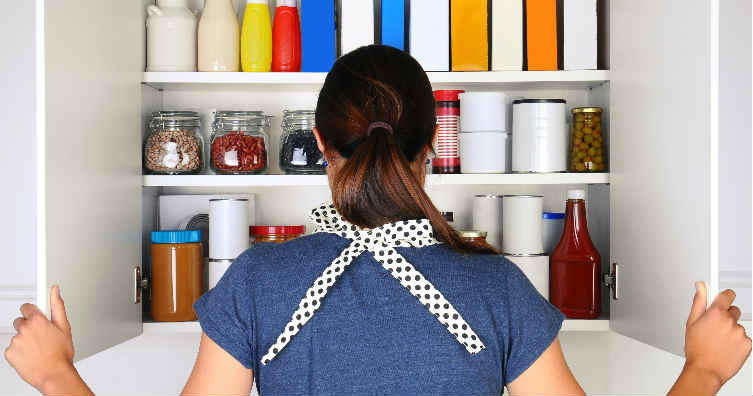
(656, 214)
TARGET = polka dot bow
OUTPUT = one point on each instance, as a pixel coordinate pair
(381, 241)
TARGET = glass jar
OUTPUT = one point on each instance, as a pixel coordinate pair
(298, 150)
(239, 144)
(177, 274)
(173, 145)
(473, 236)
(587, 149)
(275, 234)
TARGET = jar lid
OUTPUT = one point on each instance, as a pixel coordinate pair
(176, 121)
(250, 120)
(447, 95)
(176, 236)
(174, 113)
(587, 110)
(237, 113)
(472, 234)
(519, 101)
(552, 216)
(276, 230)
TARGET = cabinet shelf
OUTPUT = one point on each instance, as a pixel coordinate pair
(488, 79)
(193, 327)
(321, 180)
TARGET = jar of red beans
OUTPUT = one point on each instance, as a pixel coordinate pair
(239, 144)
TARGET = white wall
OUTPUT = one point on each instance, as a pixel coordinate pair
(17, 158)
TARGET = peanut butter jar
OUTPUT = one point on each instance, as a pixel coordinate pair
(177, 267)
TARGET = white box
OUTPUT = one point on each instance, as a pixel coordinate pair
(356, 24)
(580, 34)
(430, 33)
(507, 35)
(536, 268)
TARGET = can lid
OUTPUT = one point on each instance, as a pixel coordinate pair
(552, 216)
(519, 101)
(176, 236)
(586, 110)
(276, 230)
(447, 95)
(576, 194)
(472, 234)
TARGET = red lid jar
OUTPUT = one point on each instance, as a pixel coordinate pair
(276, 234)
(446, 147)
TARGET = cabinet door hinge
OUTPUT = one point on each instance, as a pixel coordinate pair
(139, 284)
(612, 280)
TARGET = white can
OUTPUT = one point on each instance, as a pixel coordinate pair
(483, 111)
(228, 228)
(539, 135)
(217, 269)
(553, 224)
(536, 268)
(522, 225)
(487, 216)
(485, 152)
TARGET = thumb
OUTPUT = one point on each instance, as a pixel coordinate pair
(57, 310)
(699, 303)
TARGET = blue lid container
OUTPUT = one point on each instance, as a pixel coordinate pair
(553, 216)
(176, 236)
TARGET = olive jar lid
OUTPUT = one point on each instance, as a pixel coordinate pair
(472, 234)
(586, 110)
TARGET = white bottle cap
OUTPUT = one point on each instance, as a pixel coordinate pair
(287, 3)
(257, 2)
(576, 194)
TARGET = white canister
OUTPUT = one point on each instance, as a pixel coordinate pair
(228, 228)
(483, 111)
(487, 216)
(485, 152)
(217, 269)
(170, 37)
(522, 225)
(539, 135)
(553, 224)
(536, 268)
(219, 38)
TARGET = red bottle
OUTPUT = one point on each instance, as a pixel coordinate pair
(286, 38)
(574, 269)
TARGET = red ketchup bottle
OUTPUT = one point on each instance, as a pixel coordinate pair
(574, 270)
(286, 38)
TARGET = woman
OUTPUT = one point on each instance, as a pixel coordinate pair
(386, 298)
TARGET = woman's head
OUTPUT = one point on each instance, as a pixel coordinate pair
(376, 123)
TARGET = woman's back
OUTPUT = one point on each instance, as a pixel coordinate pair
(371, 335)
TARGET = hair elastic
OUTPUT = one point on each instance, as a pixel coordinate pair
(379, 124)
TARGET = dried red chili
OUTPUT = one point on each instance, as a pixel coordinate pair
(237, 152)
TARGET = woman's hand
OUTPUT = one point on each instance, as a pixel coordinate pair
(42, 350)
(716, 346)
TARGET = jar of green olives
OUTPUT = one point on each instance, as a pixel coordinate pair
(587, 153)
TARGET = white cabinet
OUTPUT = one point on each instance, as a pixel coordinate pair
(657, 213)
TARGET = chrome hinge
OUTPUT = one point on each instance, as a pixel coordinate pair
(139, 283)
(612, 281)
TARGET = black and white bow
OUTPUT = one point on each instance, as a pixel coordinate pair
(381, 241)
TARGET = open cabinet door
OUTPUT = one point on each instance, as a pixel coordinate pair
(90, 187)
(664, 186)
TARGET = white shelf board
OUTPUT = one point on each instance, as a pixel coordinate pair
(321, 180)
(487, 79)
(194, 327)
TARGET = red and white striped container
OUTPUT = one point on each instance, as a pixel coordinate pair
(446, 147)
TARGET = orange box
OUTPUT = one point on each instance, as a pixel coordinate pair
(468, 35)
(541, 34)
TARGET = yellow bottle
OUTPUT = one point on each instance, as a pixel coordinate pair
(256, 37)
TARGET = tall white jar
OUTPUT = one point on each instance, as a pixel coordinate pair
(219, 37)
(170, 37)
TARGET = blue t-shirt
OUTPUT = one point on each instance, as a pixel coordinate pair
(370, 335)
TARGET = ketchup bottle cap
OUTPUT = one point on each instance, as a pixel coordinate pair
(576, 194)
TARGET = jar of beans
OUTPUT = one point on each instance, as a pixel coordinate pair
(239, 144)
(299, 153)
(173, 145)
(587, 149)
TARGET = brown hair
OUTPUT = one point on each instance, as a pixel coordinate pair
(376, 185)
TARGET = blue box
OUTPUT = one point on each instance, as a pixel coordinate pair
(393, 23)
(317, 35)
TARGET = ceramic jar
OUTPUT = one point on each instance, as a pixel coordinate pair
(170, 37)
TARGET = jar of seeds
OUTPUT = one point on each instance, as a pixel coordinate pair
(299, 153)
(173, 145)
